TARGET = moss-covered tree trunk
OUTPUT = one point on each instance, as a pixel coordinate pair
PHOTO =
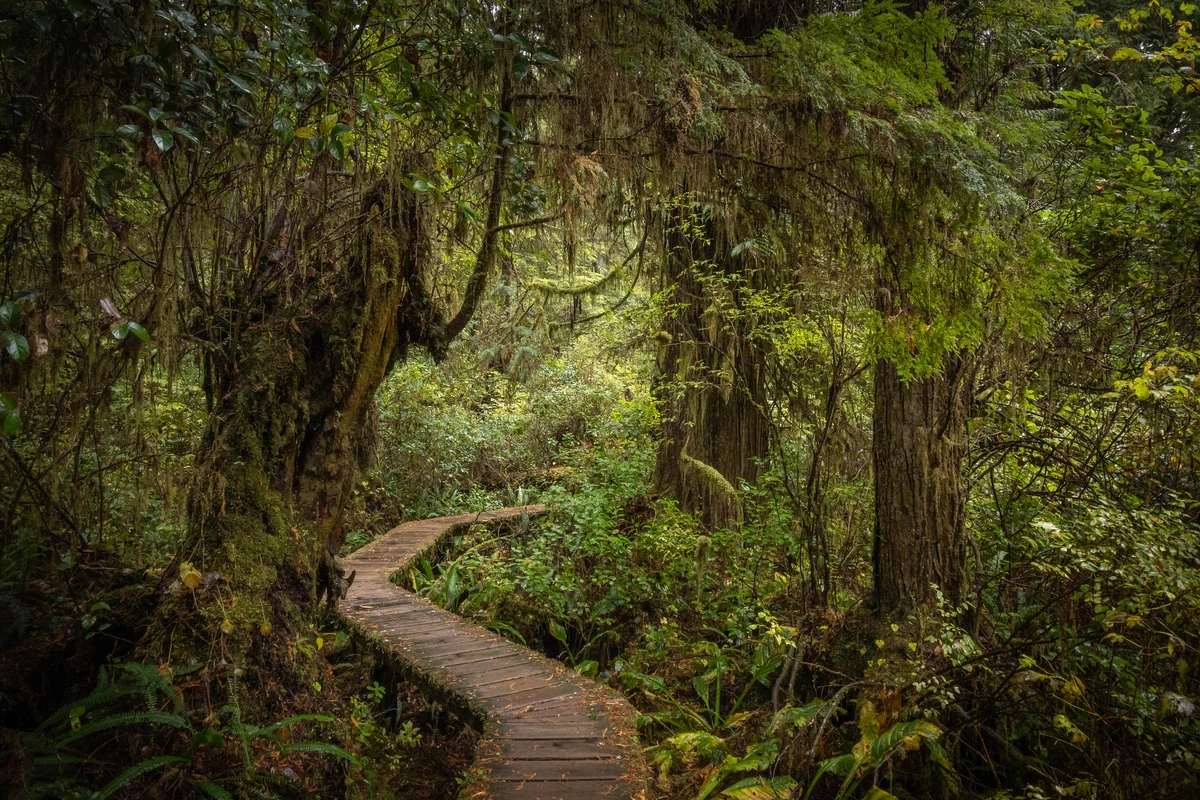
(919, 444)
(710, 381)
(291, 389)
(290, 405)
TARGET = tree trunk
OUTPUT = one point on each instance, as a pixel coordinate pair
(283, 444)
(291, 392)
(919, 445)
(710, 383)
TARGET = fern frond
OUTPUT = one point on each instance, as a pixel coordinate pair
(120, 721)
(152, 683)
(103, 693)
(134, 772)
(213, 790)
(290, 721)
(319, 747)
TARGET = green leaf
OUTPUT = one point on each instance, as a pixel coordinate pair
(699, 742)
(318, 747)
(8, 401)
(163, 139)
(283, 129)
(10, 422)
(15, 345)
(797, 717)
(701, 688)
(520, 67)
(124, 720)
(761, 788)
(906, 734)
(112, 173)
(839, 765)
(134, 772)
(651, 683)
(760, 757)
(186, 134)
(10, 314)
(879, 794)
(120, 330)
(136, 110)
(240, 84)
(558, 631)
(212, 790)
(137, 330)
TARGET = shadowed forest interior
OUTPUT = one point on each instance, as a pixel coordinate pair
(853, 349)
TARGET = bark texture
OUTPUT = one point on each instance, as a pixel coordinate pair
(314, 334)
(711, 385)
(289, 409)
(919, 446)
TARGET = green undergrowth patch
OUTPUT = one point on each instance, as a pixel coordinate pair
(625, 588)
(357, 730)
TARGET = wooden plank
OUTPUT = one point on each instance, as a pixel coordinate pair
(548, 737)
(552, 731)
(558, 790)
(440, 633)
(518, 695)
(451, 653)
(479, 657)
(501, 669)
(578, 749)
(569, 769)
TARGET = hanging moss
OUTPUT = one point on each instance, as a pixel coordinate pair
(718, 493)
(583, 289)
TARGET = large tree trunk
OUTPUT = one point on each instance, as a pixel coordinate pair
(292, 390)
(919, 445)
(711, 385)
(283, 444)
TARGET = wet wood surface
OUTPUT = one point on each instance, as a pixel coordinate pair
(548, 733)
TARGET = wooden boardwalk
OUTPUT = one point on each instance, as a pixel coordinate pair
(548, 733)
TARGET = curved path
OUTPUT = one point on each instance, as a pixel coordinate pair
(548, 733)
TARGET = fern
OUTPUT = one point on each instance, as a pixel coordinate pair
(319, 747)
(152, 683)
(134, 772)
(212, 790)
(103, 693)
(290, 721)
(120, 721)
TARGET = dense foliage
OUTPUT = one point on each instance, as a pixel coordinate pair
(853, 345)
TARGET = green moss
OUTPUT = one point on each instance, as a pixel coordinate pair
(718, 491)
